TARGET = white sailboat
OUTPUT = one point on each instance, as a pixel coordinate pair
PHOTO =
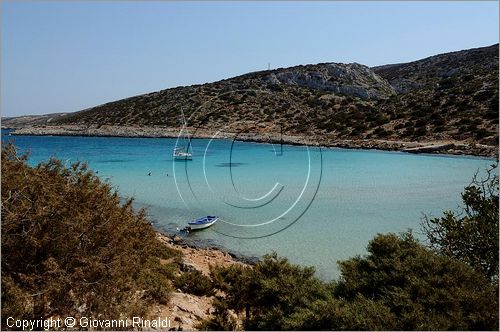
(183, 153)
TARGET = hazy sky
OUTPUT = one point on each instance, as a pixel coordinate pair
(67, 56)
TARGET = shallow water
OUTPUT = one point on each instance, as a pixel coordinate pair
(314, 206)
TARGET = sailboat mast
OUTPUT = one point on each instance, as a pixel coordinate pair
(281, 137)
(185, 129)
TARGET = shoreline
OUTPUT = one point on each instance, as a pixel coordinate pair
(187, 310)
(450, 147)
(190, 244)
(200, 257)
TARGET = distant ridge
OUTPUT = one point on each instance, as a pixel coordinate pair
(451, 96)
(406, 76)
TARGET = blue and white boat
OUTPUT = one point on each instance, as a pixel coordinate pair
(202, 223)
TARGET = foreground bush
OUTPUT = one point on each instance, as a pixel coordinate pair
(270, 294)
(421, 289)
(399, 285)
(194, 282)
(472, 235)
(69, 248)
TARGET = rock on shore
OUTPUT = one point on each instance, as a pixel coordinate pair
(186, 310)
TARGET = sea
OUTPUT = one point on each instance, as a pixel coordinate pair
(315, 206)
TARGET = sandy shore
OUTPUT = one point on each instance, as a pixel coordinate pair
(199, 258)
(186, 310)
(453, 147)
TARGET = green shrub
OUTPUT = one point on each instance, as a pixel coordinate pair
(492, 115)
(409, 124)
(493, 104)
(420, 123)
(422, 289)
(421, 131)
(194, 282)
(399, 285)
(483, 95)
(482, 132)
(380, 132)
(156, 286)
(273, 295)
(222, 320)
(69, 248)
(472, 235)
(437, 120)
(439, 129)
(355, 132)
(360, 126)
(399, 126)
(381, 119)
(447, 83)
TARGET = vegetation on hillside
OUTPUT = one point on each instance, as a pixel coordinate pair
(69, 248)
(448, 96)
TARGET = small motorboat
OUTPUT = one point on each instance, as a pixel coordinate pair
(201, 223)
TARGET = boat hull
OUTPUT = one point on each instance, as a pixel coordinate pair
(183, 157)
(195, 227)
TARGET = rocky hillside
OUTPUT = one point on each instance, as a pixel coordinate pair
(406, 77)
(30, 120)
(344, 79)
(452, 96)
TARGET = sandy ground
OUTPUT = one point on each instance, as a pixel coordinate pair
(198, 258)
(185, 310)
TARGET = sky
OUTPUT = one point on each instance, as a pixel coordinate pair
(67, 56)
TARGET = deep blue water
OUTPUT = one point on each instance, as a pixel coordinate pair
(313, 206)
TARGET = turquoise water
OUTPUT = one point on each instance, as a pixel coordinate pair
(313, 206)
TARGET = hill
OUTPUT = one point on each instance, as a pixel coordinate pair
(450, 97)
